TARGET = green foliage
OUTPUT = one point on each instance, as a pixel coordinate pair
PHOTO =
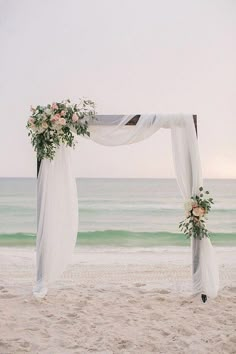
(196, 209)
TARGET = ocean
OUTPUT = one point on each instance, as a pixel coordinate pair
(119, 212)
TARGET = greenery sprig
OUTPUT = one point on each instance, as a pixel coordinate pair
(196, 209)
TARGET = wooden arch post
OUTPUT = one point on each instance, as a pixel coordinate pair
(196, 242)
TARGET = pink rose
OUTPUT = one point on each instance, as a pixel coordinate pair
(63, 113)
(75, 117)
(56, 117)
(31, 120)
(54, 105)
(33, 127)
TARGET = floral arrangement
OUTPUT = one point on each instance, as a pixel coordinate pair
(196, 209)
(51, 125)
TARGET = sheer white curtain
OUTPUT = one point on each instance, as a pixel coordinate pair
(57, 219)
(58, 212)
(189, 178)
(113, 131)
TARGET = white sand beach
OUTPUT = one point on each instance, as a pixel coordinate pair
(116, 301)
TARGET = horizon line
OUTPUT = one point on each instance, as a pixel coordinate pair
(78, 177)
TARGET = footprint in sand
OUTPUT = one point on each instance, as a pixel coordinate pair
(139, 284)
(147, 307)
(233, 289)
(7, 296)
(89, 297)
(45, 333)
(163, 291)
(185, 332)
(72, 315)
(184, 302)
(49, 315)
(33, 329)
(123, 344)
(23, 345)
(63, 321)
(132, 301)
(74, 346)
(164, 333)
(159, 298)
(233, 339)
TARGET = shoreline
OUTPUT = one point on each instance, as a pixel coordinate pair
(176, 258)
(121, 238)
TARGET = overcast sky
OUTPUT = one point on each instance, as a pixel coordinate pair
(129, 56)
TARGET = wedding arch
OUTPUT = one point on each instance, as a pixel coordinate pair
(57, 195)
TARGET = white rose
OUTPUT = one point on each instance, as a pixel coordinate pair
(40, 130)
(57, 126)
(48, 112)
(44, 116)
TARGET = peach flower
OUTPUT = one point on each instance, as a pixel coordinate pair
(31, 123)
(62, 121)
(198, 211)
(44, 125)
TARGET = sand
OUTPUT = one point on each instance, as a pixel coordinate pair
(116, 301)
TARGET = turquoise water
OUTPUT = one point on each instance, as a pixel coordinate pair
(119, 212)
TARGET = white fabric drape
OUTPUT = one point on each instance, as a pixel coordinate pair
(113, 131)
(188, 174)
(57, 224)
(57, 219)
